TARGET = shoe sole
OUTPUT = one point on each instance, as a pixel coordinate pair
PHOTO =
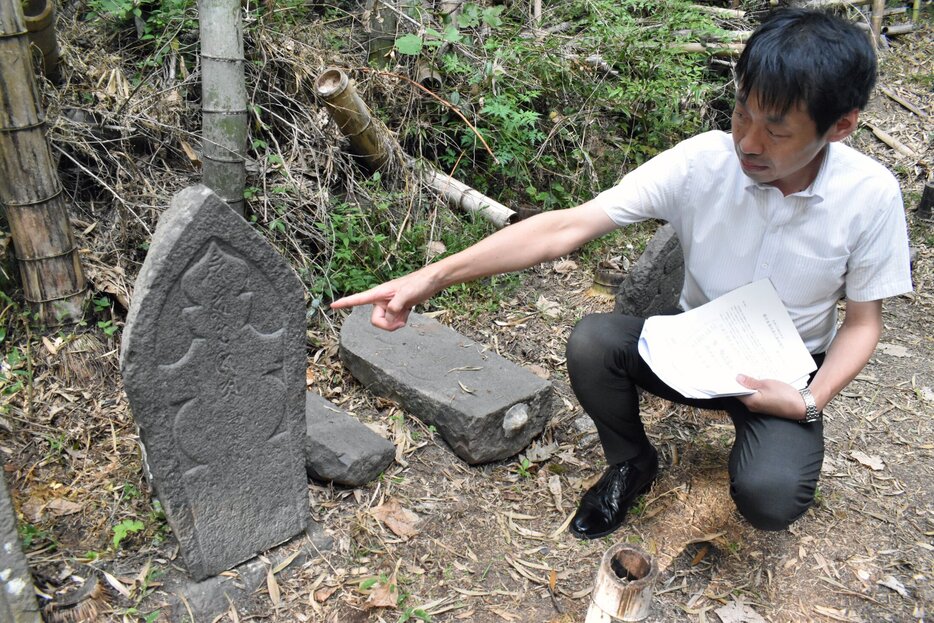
(599, 535)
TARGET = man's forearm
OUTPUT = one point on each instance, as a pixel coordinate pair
(543, 237)
(850, 351)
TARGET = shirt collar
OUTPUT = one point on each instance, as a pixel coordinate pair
(816, 190)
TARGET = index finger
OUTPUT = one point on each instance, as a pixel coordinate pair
(361, 298)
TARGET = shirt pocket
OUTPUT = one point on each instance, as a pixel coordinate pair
(805, 281)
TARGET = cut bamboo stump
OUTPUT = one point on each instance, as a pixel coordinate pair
(377, 151)
(624, 586)
(40, 22)
(353, 118)
(30, 191)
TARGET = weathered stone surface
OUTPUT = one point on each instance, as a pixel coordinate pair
(485, 407)
(17, 595)
(213, 361)
(340, 448)
(181, 600)
(653, 286)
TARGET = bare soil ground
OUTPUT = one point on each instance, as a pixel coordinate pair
(487, 544)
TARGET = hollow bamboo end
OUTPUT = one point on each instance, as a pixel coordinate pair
(624, 587)
(331, 83)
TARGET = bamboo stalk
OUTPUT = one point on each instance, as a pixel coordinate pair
(224, 112)
(713, 49)
(878, 8)
(720, 11)
(460, 195)
(30, 191)
(891, 141)
(830, 4)
(377, 150)
(896, 98)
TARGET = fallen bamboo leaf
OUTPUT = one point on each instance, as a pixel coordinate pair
(386, 595)
(872, 462)
(554, 487)
(272, 586)
(401, 521)
(738, 612)
(506, 616)
(285, 563)
(894, 350)
(565, 266)
(117, 585)
(548, 308)
(60, 507)
(321, 595)
(465, 389)
(891, 582)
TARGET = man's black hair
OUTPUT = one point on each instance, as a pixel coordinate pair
(801, 55)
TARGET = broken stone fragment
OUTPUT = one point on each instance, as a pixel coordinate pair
(341, 449)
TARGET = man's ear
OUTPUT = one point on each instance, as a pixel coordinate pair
(843, 127)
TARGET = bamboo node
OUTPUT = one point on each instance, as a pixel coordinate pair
(41, 258)
(624, 586)
(20, 128)
(37, 202)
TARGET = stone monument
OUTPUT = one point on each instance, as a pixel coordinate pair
(213, 361)
(17, 596)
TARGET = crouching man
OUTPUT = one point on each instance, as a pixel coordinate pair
(779, 198)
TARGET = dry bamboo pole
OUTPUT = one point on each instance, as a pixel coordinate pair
(720, 11)
(891, 141)
(40, 22)
(713, 49)
(900, 100)
(878, 9)
(223, 111)
(375, 149)
(30, 191)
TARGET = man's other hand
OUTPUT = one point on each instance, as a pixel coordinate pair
(772, 398)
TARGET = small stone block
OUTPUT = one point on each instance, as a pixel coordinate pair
(340, 448)
(213, 361)
(17, 595)
(485, 407)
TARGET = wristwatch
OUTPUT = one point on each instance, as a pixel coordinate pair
(811, 414)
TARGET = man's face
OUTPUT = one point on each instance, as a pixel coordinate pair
(778, 149)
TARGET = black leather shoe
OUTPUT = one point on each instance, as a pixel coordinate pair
(604, 506)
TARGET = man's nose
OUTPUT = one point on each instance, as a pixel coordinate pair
(751, 143)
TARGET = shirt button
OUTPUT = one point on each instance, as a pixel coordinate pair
(765, 266)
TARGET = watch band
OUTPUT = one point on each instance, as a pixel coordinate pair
(811, 414)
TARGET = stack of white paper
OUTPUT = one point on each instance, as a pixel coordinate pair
(747, 331)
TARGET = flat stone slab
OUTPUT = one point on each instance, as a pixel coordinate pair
(485, 407)
(213, 361)
(339, 448)
(653, 286)
(17, 595)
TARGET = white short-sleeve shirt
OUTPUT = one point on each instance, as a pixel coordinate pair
(845, 235)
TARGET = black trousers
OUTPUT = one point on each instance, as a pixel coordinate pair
(774, 463)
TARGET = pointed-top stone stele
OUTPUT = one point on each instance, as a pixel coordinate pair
(213, 362)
